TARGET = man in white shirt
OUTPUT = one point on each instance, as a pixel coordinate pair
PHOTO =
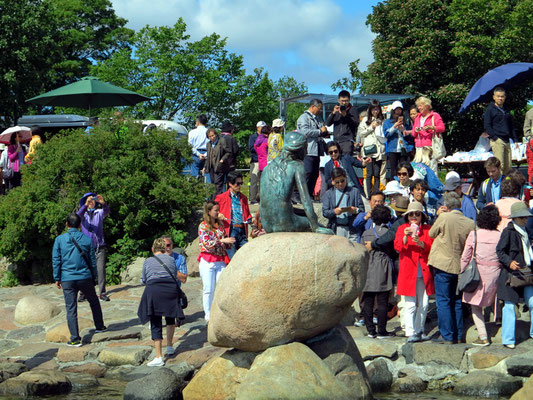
(198, 141)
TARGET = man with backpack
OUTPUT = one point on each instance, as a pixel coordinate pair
(489, 192)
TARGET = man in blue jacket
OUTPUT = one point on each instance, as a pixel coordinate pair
(453, 184)
(489, 192)
(74, 268)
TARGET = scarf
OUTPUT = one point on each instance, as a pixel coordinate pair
(526, 246)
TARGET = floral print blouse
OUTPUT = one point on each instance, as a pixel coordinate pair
(210, 244)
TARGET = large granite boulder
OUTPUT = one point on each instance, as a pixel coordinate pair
(285, 286)
(192, 251)
(526, 393)
(338, 350)
(34, 309)
(132, 273)
(291, 371)
(161, 384)
(36, 383)
(487, 384)
(61, 334)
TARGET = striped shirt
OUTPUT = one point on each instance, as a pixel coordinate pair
(152, 269)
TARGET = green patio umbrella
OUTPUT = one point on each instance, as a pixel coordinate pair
(88, 92)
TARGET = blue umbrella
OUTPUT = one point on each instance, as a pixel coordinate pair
(505, 75)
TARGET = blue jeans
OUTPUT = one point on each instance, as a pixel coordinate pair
(70, 293)
(240, 240)
(449, 307)
(197, 165)
(509, 317)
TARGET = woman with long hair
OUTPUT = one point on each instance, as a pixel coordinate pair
(371, 132)
(15, 154)
(213, 257)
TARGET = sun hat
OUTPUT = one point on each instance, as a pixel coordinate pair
(261, 123)
(393, 187)
(452, 184)
(83, 200)
(401, 204)
(519, 210)
(396, 104)
(278, 123)
(414, 206)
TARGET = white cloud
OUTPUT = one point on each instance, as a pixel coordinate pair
(311, 40)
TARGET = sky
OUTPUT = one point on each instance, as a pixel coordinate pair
(310, 40)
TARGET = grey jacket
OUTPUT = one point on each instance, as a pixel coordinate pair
(379, 273)
(329, 202)
(309, 126)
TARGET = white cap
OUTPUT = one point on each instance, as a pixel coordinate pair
(2, 146)
(261, 123)
(278, 123)
(393, 187)
(396, 104)
(452, 174)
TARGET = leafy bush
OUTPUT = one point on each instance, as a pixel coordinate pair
(8, 279)
(138, 175)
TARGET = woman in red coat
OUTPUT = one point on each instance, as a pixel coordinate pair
(415, 281)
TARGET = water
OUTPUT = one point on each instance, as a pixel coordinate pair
(429, 396)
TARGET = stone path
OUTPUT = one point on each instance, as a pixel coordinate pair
(34, 351)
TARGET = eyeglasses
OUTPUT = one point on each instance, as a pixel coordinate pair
(238, 183)
(333, 152)
(402, 173)
(415, 214)
(337, 181)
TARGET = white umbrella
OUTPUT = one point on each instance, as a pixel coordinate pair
(5, 136)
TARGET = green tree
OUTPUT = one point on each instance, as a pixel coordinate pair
(439, 48)
(138, 175)
(182, 77)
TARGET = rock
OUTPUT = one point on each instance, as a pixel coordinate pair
(338, 350)
(73, 354)
(192, 251)
(34, 309)
(379, 376)
(94, 369)
(183, 372)
(6, 345)
(487, 384)
(526, 393)
(61, 334)
(133, 332)
(132, 273)
(37, 350)
(130, 355)
(197, 358)
(36, 383)
(495, 332)
(260, 301)
(372, 348)
(487, 357)
(161, 384)
(424, 353)
(41, 363)
(25, 332)
(291, 371)
(520, 365)
(82, 381)
(11, 369)
(220, 376)
(409, 384)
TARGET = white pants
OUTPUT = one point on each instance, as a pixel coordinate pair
(415, 310)
(209, 272)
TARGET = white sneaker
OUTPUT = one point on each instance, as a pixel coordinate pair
(170, 351)
(156, 362)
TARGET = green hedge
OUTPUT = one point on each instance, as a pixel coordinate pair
(138, 175)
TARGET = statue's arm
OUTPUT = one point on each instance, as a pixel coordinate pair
(307, 203)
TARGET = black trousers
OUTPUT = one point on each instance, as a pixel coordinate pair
(70, 293)
(394, 160)
(373, 169)
(368, 311)
(156, 326)
(311, 166)
(219, 180)
(347, 147)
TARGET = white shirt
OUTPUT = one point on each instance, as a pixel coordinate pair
(3, 161)
(198, 139)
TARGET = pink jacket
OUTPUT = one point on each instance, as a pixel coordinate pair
(13, 156)
(425, 138)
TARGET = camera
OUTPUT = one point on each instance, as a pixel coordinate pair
(343, 108)
(95, 198)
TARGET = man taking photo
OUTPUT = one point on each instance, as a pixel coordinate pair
(345, 119)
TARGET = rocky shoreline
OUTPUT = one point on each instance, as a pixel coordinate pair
(34, 360)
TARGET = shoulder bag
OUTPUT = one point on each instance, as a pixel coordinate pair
(437, 144)
(469, 279)
(182, 297)
(83, 255)
(330, 224)
(8, 171)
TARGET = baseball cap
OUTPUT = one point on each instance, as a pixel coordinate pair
(452, 184)
(396, 104)
(261, 123)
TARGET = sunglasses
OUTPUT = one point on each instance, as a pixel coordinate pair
(337, 181)
(402, 173)
(415, 213)
(333, 151)
(238, 183)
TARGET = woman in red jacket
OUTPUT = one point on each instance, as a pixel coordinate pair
(415, 281)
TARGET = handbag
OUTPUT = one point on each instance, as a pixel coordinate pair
(8, 171)
(370, 150)
(469, 279)
(520, 278)
(437, 145)
(182, 297)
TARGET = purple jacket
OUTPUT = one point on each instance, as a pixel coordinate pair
(92, 224)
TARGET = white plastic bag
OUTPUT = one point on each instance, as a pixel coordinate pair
(482, 145)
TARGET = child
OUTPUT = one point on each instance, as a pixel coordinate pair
(379, 276)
